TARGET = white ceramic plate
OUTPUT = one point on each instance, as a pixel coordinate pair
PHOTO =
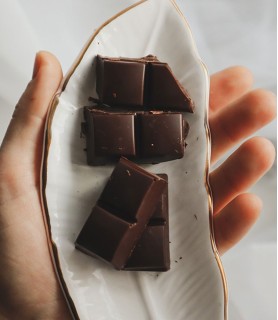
(194, 288)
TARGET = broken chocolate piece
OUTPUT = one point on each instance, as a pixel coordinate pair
(152, 250)
(145, 83)
(144, 137)
(164, 90)
(121, 214)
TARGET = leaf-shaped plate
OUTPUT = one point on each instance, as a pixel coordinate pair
(195, 286)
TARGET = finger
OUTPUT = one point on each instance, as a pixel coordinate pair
(234, 221)
(241, 119)
(24, 133)
(241, 170)
(228, 85)
(21, 150)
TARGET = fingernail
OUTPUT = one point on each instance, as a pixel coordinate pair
(36, 67)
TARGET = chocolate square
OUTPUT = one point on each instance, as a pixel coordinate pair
(102, 234)
(162, 136)
(151, 252)
(109, 136)
(120, 82)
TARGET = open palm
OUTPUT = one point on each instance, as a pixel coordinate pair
(28, 285)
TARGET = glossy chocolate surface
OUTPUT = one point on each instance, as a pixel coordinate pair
(162, 136)
(119, 218)
(108, 136)
(152, 250)
(145, 83)
(120, 81)
(144, 137)
(164, 90)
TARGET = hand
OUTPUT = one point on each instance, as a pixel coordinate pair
(28, 285)
(236, 112)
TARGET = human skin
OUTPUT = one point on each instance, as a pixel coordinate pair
(28, 285)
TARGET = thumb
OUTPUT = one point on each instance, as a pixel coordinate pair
(24, 137)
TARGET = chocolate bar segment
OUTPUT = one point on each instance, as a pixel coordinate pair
(140, 83)
(144, 137)
(162, 136)
(109, 136)
(121, 214)
(102, 234)
(120, 81)
(152, 250)
(164, 90)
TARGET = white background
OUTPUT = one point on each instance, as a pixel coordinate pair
(227, 33)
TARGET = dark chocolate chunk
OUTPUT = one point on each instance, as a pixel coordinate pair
(144, 83)
(165, 92)
(152, 250)
(162, 136)
(109, 136)
(120, 81)
(102, 234)
(144, 137)
(120, 216)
